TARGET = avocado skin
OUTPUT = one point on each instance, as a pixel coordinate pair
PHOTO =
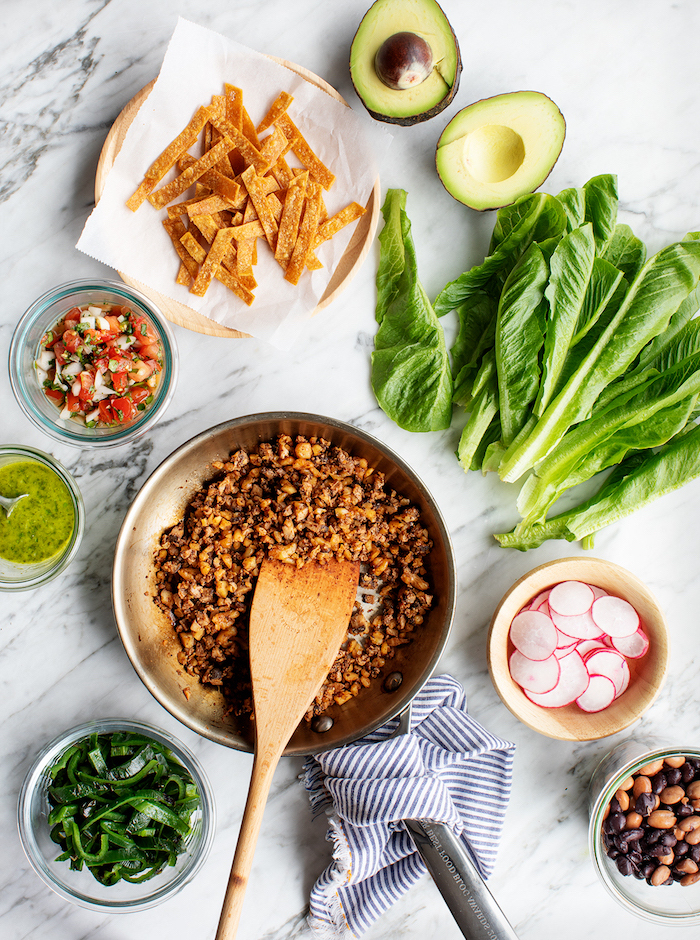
(411, 119)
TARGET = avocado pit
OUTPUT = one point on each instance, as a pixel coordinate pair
(403, 61)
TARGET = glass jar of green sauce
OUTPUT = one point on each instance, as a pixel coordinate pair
(42, 533)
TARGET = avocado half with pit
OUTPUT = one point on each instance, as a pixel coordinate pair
(499, 149)
(404, 61)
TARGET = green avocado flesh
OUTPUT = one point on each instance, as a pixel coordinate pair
(499, 149)
(422, 101)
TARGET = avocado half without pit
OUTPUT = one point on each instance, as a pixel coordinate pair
(499, 149)
(404, 61)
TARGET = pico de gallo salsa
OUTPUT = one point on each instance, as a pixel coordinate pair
(100, 364)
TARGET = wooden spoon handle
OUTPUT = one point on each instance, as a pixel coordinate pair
(260, 781)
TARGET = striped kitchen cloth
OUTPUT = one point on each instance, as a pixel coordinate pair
(448, 769)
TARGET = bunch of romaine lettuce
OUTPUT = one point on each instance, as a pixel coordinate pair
(574, 354)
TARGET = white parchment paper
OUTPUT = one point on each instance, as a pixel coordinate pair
(196, 65)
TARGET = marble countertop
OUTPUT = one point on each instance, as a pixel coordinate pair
(626, 76)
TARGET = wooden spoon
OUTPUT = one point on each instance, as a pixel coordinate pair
(298, 620)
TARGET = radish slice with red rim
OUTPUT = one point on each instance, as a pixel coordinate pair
(599, 694)
(570, 598)
(573, 682)
(597, 591)
(612, 664)
(633, 647)
(580, 626)
(534, 675)
(534, 634)
(586, 647)
(615, 616)
(538, 602)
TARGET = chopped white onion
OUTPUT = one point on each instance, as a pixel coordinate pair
(41, 374)
(99, 379)
(73, 368)
(93, 415)
(65, 413)
(123, 342)
(75, 388)
(101, 392)
(102, 324)
(88, 321)
(46, 357)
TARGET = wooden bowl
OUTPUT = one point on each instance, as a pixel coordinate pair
(183, 315)
(570, 723)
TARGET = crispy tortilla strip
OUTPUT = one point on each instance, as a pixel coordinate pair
(282, 173)
(279, 106)
(248, 129)
(332, 226)
(211, 263)
(184, 140)
(307, 232)
(244, 260)
(234, 105)
(291, 216)
(247, 230)
(161, 197)
(274, 146)
(183, 275)
(300, 148)
(223, 274)
(312, 262)
(177, 231)
(259, 199)
(180, 208)
(144, 189)
(210, 204)
(250, 153)
(275, 204)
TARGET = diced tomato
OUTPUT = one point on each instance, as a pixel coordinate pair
(149, 351)
(61, 353)
(87, 385)
(138, 394)
(73, 403)
(155, 365)
(123, 409)
(120, 381)
(72, 317)
(120, 363)
(105, 413)
(72, 341)
(55, 395)
(114, 324)
(102, 364)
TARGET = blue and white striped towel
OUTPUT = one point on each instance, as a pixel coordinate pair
(448, 769)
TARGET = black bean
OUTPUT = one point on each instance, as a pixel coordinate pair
(645, 803)
(674, 775)
(694, 853)
(648, 869)
(617, 822)
(659, 782)
(684, 809)
(624, 865)
(680, 848)
(633, 835)
(668, 838)
(658, 850)
(688, 772)
(652, 836)
(615, 805)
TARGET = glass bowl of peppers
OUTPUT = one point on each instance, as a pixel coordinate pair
(116, 815)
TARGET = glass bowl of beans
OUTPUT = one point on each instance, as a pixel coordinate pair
(93, 363)
(644, 832)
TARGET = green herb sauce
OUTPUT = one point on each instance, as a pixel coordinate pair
(41, 525)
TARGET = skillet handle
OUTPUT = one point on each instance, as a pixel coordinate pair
(464, 890)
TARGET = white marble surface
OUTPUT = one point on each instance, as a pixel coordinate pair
(626, 75)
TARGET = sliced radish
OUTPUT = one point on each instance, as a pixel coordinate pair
(597, 591)
(537, 603)
(580, 626)
(570, 598)
(565, 644)
(599, 694)
(615, 616)
(612, 664)
(586, 647)
(534, 675)
(633, 647)
(573, 682)
(534, 634)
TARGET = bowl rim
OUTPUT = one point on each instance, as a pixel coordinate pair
(68, 435)
(69, 553)
(401, 698)
(595, 846)
(511, 694)
(50, 751)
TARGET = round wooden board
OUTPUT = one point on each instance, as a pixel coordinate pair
(191, 319)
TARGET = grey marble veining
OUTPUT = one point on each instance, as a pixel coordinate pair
(626, 76)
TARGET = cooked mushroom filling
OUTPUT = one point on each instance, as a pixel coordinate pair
(293, 500)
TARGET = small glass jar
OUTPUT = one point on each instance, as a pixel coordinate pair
(16, 576)
(25, 348)
(669, 905)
